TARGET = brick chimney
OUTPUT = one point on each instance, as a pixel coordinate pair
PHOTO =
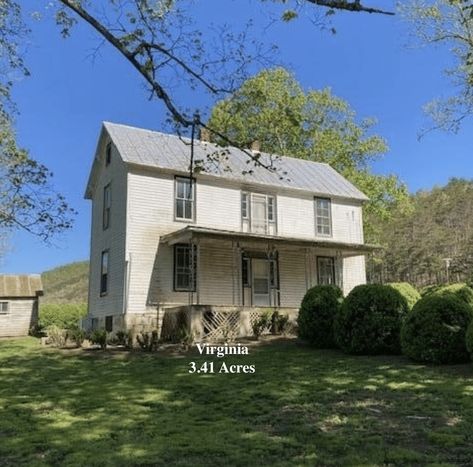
(255, 146)
(205, 135)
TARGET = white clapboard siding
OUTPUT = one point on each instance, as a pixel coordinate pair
(354, 272)
(113, 238)
(22, 315)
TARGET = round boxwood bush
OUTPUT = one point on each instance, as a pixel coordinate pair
(469, 339)
(460, 290)
(317, 313)
(409, 292)
(369, 321)
(434, 331)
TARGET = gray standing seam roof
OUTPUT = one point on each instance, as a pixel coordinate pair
(21, 285)
(154, 149)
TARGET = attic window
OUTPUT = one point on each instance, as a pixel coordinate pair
(108, 154)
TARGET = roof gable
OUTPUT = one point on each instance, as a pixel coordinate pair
(170, 152)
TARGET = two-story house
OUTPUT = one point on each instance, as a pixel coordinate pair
(225, 237)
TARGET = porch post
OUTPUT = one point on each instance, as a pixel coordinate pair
(198, 274)
(306, 267)
(339, 271)
(191, 259)
(233, 272)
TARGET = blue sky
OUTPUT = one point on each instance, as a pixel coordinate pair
(368, 63)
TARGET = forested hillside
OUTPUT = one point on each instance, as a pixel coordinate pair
(66, 284)
(431, 241)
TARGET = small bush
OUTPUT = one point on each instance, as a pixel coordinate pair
(148, 341)
(317, 313)
(261, 325)
(279, 323)
(99, 337)
(469, 339)
(434, 332)
(408, 291)
(124, 338)
(57, 337)
(76, 335)
(369, 321)
(63, 315)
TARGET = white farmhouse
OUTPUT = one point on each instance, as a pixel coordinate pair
(225, 238)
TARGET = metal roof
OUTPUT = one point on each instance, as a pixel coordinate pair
(170, 152)
(186, 233)
(20, 285)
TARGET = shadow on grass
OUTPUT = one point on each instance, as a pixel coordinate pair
(301, 407)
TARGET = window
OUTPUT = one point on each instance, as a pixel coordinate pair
(185, 262)
(104, 273)
(108, 154)
(323, 216)
(245, 272)
(325, 270)
(273, 273)
(94, 324)
(271, 209)
(109, 323)
(4, 308)
(244, 206)
(107, 205)
(184, 198)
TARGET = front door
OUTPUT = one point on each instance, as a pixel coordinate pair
(261, 282)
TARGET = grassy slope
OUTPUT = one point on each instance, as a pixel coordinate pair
(66, 284)
(302, 407)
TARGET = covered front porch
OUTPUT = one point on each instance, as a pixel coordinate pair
(225, 268)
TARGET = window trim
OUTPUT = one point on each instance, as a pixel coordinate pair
(108, 154)
(246, 195)
(105, 208)
(333, 269)
(104, 252)
(317, 233)
(193, 200)
(7, 312)
(174, 272)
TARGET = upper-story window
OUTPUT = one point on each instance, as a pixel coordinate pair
(258, 213)
(184, 198)
(107, 206)
(323, 216)
(108, 154)
(4, 308)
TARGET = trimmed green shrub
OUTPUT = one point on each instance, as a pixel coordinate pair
(408, 291)
(460, 290)
(317, 314)
(63, 315)
(434, 331)
(469, 339)
(369, 321)
(429, 289)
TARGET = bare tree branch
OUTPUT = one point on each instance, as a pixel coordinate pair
(353, 6)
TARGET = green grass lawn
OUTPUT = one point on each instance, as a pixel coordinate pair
(301, 407)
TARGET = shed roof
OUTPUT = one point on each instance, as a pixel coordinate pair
(154, 149)
(20, 285)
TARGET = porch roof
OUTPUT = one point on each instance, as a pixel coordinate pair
(189, 232)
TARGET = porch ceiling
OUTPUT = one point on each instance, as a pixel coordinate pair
(191, 232)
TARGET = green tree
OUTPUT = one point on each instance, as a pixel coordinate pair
(315, 125)
(447, 23)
